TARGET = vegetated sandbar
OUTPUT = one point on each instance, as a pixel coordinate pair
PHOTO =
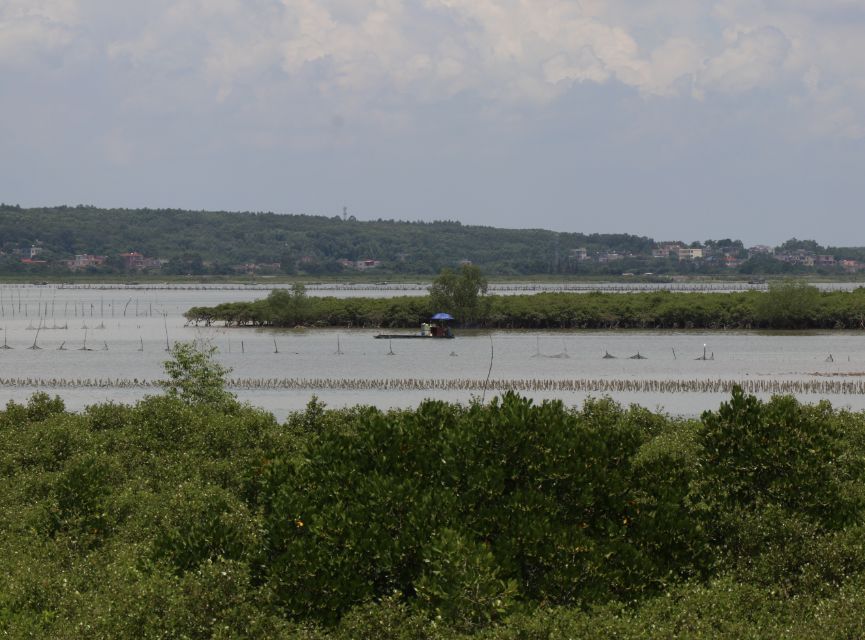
(790, 306)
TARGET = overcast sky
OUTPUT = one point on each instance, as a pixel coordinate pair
(677, 119)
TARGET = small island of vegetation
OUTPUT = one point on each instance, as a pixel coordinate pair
(786, 305)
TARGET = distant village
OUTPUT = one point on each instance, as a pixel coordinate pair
(135, 261)
(729, 258)
(716, 258)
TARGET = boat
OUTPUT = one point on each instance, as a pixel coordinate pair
(435, 330)
(412, 336)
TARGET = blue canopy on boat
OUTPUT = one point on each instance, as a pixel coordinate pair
(442, 316)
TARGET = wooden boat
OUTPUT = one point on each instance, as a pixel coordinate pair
(434, 330)
(411, 336)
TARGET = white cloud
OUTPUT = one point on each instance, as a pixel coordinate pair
(675, 59)
(378, 54)
(33, 29)
(752, 59)
(582, 65)
(58, 11)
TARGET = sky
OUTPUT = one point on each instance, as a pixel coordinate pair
(674, 119)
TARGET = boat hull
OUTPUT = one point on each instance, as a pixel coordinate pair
(409, 336)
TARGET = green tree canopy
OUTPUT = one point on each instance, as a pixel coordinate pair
(459, 292)
(788, 305)
(195, 377)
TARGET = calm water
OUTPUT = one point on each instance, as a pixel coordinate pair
(127, 330)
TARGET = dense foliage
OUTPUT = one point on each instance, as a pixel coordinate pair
(212, 242)
(221, 243)
(459, 291)
(787, 305)
(179, 518)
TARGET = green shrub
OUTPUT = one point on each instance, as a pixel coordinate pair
(389, 618)
(202, 523)
(108, 416)
(348, 524)
(40, 406)
(82, 507)
(196, 378)
(774, 478)
(538, 497)
(461, 582)
(779, 452)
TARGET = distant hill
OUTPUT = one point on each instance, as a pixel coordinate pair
(173, 241)
(219, 241)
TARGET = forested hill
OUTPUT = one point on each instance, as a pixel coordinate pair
(220, 240)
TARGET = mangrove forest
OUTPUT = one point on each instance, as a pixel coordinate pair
(191, 515)
(786, 305)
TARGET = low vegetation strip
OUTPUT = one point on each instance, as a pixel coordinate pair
(786, 305)
(574, 385)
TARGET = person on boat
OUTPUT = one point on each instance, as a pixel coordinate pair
(425, 329)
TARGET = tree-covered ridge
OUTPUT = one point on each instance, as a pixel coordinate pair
(219, 243)
(312, 244)
(183, 517)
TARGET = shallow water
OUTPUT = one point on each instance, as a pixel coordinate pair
(136, 325)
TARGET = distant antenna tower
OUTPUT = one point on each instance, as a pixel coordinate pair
(345, 213)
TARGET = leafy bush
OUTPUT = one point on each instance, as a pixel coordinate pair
(461, 582)
(774, 479)
(539, 499)
(788, 305)
(39, 407)
(203, 523)
(781, 453)
(195, 377)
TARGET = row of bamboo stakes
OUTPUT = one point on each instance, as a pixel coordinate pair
(574, 385)
(47, 309)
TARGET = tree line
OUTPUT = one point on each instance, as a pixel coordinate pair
(215, 243)
(189, 514)
(786, 305)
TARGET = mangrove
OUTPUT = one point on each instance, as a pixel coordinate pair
(191, 515)
(786, 305)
